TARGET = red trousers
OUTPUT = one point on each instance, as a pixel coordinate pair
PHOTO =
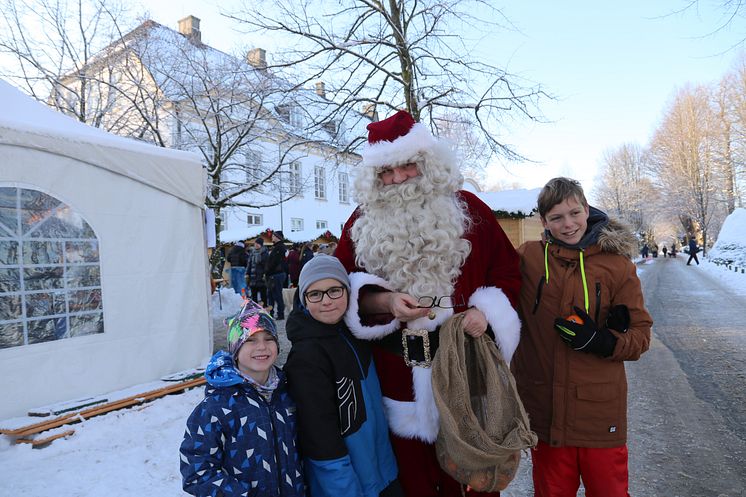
(557, 471)
(420, 474)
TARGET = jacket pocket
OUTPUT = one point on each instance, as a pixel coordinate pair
(594, 411)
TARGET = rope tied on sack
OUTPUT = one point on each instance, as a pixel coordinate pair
(483, 425)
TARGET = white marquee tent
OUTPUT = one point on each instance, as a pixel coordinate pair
(103, 271)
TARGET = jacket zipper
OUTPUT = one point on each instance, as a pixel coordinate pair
(272, 414)
(598, 300)
(537, 299)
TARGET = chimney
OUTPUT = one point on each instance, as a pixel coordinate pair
(320, 89)
(189, 27)
(370, 111)
(257, 57)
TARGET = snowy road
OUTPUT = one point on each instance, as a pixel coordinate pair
(688, 393)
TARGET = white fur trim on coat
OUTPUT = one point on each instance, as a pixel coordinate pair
(501, 317)
(399, 151)
(418, 419)
(352, 316)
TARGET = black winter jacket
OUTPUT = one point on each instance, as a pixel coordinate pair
(237, 256)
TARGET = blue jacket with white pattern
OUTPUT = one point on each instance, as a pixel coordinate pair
(238, 444)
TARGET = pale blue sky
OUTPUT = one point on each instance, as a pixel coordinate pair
(613, 66)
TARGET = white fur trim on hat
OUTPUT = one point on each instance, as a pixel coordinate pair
(352, 316)
(501, 317)
(418, 419)
(399, 151)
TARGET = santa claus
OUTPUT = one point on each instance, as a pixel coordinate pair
(419, 250)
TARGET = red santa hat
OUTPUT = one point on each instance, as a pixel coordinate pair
(396, 140)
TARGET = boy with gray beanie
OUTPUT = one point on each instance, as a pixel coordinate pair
(342, 430)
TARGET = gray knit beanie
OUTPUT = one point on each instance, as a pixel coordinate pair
(319, 268)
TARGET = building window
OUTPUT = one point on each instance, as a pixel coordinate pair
(296, 224)
(320, 182)
(295, 177)
(50, 273)
(296, 116)
(253, 166)
(343, 188)
(254, 220)
(322, 225)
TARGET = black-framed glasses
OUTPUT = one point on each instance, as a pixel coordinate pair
(444, 302)
(316, 296)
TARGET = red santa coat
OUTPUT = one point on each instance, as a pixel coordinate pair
(490, 281)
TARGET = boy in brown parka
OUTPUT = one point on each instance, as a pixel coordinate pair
(583, 315)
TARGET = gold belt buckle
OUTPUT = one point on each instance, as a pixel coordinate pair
(425, 347)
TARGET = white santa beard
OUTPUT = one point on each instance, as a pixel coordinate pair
(412, 239)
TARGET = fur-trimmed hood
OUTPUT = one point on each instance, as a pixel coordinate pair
(617, 238)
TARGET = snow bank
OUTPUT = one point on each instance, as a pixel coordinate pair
(731, 242)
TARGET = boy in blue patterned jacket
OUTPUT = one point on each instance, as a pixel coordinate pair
(240, 440)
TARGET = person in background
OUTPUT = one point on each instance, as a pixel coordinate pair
(241, 439)
(237, 258)
(583, 315)
(419, 250)
(343, 432)
(306, 254)
(693, 249)
(294, 264)
(276, 274)
(644, 251)
(257, 265)
(665, 251)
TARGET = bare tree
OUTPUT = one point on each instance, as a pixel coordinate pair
(397, 54)
(725, 101)
(683, 159)
(165, 87)
(623, 190)
(225, 109)
(733, 91)
(732, 12)
(51, 45)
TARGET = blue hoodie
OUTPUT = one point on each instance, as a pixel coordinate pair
(238, 444)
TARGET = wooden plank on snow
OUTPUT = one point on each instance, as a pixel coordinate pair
(41, 442)
(77, 416)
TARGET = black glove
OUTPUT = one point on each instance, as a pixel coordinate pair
(586, 337)
(618, 318)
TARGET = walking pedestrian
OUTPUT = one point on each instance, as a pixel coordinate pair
(693, 249)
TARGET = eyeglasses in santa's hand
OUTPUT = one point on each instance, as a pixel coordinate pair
(316, 296)
(444, 302)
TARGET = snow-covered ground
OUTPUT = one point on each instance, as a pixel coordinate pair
(135, 451)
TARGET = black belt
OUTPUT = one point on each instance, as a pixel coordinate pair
(417, 347)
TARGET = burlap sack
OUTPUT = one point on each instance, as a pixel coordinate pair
(483, 425)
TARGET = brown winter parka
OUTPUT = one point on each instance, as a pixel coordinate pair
(577, 398)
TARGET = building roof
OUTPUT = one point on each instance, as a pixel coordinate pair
(520, 201)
